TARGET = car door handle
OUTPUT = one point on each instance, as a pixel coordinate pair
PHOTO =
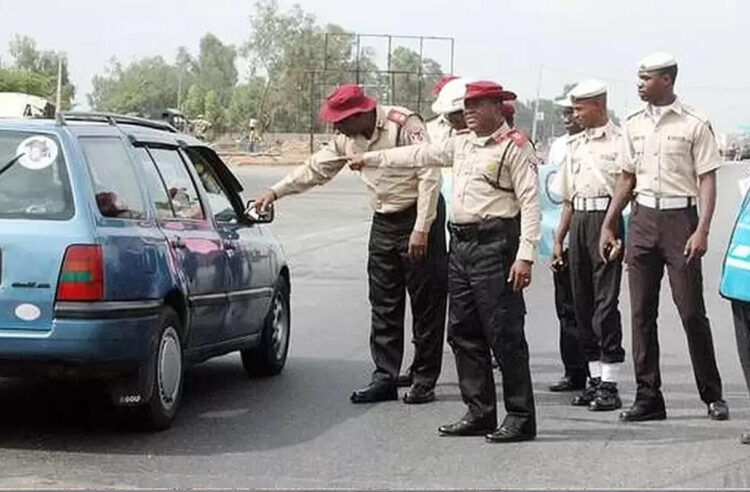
(177, 243)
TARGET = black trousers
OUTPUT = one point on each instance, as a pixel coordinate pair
(391, 274)
(486, 316)
(657, 238)
(741, 313)
(571, 352)
(596, 289)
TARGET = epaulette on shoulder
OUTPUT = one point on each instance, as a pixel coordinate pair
(465, 131)
(398, 117)
(518, 137)
(635, 113)
(692, 112)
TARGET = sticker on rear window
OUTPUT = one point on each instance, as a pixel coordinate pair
(39, 152)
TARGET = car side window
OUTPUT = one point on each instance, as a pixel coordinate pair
(180, 187)
(154, 183)
(115, 183)
(218, 199)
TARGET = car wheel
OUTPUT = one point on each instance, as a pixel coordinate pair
(269, 358)
(165, 375)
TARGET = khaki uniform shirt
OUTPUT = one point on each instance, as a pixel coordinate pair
(591, 167)
(391, 190)
(478, 163)
(439, 129)
(667, 148)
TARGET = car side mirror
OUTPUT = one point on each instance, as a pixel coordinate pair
(259, 218)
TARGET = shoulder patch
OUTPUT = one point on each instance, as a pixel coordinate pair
(515, 135)
(397, 117)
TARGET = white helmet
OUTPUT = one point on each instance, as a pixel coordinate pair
(451, 97)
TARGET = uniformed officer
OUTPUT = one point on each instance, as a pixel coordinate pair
(670, 156)
(494, 224)
(449, 107)
(407, 238)
(571, 351)
(586, 182)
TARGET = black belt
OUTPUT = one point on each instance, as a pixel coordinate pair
(484, 229)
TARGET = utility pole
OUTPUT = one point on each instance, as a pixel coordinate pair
(58, 98)
(536, 106)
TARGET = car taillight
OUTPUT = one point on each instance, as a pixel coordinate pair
(81, 276)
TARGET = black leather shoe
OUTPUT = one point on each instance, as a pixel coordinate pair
(467, 427)
(588, 395)
(644, 410)
(375, 392)
(718, 410)
(403, 380)
(569, 383)
(419, 393)
(606, 399)
(509, 433)
(745, 438)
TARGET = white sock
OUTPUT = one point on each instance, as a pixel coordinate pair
(610, 372)
(595, 369)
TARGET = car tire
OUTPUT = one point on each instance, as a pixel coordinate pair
(269, 357)
(165, 373)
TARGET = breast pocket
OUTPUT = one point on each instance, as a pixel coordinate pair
(676, 151)
(608, 162)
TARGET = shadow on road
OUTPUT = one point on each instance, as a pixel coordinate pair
(223, 411)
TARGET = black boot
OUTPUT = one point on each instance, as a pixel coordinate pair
(588, 394)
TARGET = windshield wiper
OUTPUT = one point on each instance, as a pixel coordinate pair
(10, 163)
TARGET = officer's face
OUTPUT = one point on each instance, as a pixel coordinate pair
(652, 86)
(483, 116)
(587, 113)
(571, 125)
(456, 119)
(356, 125)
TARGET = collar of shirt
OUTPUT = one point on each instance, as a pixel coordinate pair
(657, 112)
(482, 141)
(380, 121)
(600, 131)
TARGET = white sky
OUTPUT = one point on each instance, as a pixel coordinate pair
(505, 40)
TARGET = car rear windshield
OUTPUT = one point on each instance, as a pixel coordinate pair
(34, 180)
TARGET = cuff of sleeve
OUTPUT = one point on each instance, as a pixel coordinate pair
(280, 190)
(707, 169)
(422, 225)
(526, 252)
(371, 159)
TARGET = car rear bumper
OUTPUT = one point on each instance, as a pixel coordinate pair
(108, 336)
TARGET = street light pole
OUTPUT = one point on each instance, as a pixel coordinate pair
(58, 98)
(536, 106)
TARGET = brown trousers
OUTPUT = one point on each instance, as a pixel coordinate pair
(657, 238)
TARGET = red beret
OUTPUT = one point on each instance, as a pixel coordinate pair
(345, 101)
(444, 79)
(486, 88)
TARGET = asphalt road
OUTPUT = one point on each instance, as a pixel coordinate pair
(299, 429)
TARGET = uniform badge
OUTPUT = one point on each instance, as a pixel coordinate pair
(417, 135)
(491, 167)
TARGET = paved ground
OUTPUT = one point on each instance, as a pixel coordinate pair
(299, 429)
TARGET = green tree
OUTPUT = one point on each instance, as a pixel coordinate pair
(146, 86)
(413, 90)
(214, 112)
(195, 102)
(27, 58)
(245, 101)
(13, 80)
(216, 68)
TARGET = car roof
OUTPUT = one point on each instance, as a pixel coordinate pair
(137, 129)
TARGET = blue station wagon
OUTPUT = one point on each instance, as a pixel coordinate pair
(127, 253)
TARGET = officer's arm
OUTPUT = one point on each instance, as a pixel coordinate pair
(707, 159)
(425, 155)
(525, 183)
(318, 169)
(562, 186)
(625, 182)
(428, 187)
